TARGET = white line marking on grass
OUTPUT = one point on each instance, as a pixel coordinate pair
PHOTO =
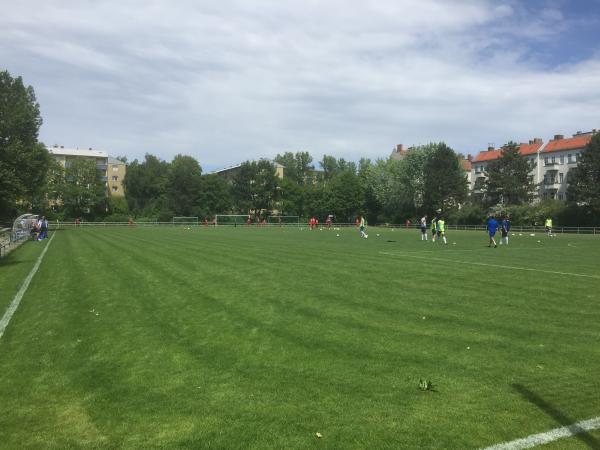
(15, 303)
(548, 436)
(473, 263)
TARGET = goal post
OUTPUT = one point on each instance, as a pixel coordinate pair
(183, 220)
(287, 221)
(232, 219)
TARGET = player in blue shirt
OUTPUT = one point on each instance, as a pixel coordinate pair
(504, 230)
(492, 226)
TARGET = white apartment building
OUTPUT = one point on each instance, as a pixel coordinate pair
(550, 163)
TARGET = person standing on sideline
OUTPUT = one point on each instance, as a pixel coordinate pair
(549, 226)
(433, 228)
(492, 226)
(423, 224)
(441, 229)
(363, 227)
(504, 230)
(43, 225)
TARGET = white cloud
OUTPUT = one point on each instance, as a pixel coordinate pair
(232, 80)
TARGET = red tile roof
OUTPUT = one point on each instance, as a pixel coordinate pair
(524, 149)
(576, 142)
(488, 155)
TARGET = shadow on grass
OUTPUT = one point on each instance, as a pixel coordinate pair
(557, 415)
(9, 262)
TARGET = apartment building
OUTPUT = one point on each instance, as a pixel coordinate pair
(115, 176)
(112, 171)
(556, 159)
(550, 163)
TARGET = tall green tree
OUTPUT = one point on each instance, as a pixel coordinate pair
(508, 179)
(255, 187)
(23, 160)
(184, 185)
(298, 166)
(146, 186)
(444, 182)
(584, 180)
(84, 193)
(215, 196)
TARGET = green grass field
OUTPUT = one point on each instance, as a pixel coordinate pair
(260, 338)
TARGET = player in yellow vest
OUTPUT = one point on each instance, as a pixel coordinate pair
(549, 226)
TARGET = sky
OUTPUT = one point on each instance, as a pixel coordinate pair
(233, 80)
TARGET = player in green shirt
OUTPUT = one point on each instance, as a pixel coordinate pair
(441, 229)
(363, 228)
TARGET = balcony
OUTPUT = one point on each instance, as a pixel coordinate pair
(102, 166)
(551, 185)
(550, 163)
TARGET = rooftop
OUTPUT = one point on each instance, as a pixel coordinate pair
(77, 152)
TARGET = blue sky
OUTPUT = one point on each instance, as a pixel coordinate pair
(234, 80)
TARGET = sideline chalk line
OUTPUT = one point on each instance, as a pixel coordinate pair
(549, 436)
(15, 303)
(473, 263)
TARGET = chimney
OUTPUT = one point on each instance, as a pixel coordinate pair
(400, 148)
(90, 148)
(490, 146)
(469, 158)
(62, 146)
(537, 140)
(558, 137)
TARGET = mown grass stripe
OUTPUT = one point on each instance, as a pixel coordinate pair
(12, 308)
(498, 266)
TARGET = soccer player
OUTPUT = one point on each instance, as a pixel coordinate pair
(423, 224)
(504, 230)
(363, 227)
(492, 226)
(441, 229)
(433, 228)
(549, 226)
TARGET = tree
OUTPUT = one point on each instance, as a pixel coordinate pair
(183, 186)
(444, 182)
(584, 180)
(215, 195)
(145, 186)
(255, 187)
(508, 179)
(23, 160)
(84, 191)
(297, 166)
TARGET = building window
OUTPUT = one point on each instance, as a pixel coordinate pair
(569, 158)
(553, 159)
(545, 160)
(115, 168)
(115, 178)
(560, 177)
(562, 159)
(115, 188)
